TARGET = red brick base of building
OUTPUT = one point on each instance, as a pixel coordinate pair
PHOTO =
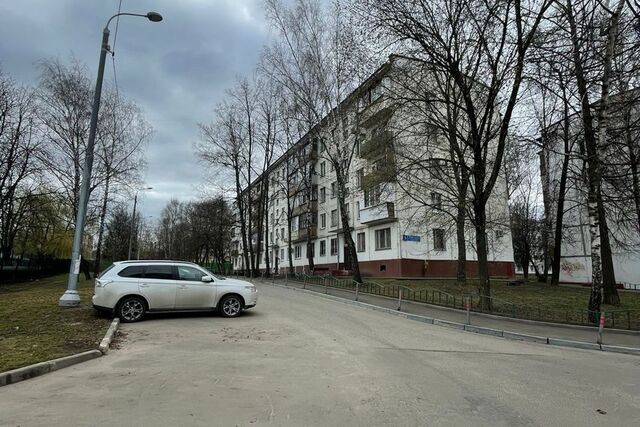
(415, 268)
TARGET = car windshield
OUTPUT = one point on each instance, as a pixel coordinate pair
(215, 276)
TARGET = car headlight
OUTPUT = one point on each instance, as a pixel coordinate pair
(251, 288)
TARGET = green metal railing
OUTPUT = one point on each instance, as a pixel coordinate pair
(621, 319)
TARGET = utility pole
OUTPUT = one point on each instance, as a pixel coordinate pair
(133, 225)
(71, 298)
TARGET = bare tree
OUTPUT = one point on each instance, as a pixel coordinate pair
(123, 133)
(315, 60)
(483, 47)
(19, 149)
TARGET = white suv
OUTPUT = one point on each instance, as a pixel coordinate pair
(129, 289)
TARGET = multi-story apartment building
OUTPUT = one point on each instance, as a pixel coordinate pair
(620, 170)
(389, 240)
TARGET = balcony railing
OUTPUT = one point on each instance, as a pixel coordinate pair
(312, 206)
(383, 212)
(376, 145)
(375, 113)
(301, 235)
(386, 172)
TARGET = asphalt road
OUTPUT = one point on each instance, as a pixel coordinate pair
(298, 359)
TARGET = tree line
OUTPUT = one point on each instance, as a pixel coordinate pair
(43, 135)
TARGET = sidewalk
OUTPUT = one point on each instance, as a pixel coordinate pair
(565, 332)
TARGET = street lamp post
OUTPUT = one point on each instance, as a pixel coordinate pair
(71, 298)
(134, 229)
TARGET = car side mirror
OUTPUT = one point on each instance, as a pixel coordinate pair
(207, 279)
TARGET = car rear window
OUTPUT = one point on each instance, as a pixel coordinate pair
(159, 272)
(105, 271)
(132, 271)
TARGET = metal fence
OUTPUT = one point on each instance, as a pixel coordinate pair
(621, 319)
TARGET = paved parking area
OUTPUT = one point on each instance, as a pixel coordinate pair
(298, 359)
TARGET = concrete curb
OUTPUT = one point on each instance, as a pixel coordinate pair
(470, 328)
(31, 371)
(108, 337)
(24, 373)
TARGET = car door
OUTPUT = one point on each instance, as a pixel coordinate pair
(192, 292)
(158, 286)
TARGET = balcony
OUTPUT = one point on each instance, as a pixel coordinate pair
(377, 145)
(299, 186)
(375, 113)
(312, 206)
(301, 234)
(384, 212)
(385, 172)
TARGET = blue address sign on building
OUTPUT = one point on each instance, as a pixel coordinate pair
(410, 238)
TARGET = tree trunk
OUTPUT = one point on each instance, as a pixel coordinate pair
(610, 292)
(289, 245)
(103, 216)
(556, 255)
(608, 273)
(346, 227)
(461, 267)
(481, 248)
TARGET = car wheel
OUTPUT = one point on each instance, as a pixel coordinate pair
(230, 306)
(131, 309)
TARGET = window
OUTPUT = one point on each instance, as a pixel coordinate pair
(383, 239)
(323, 146)
(376, 92)
(162, 272)
(282, 233)
(358, 147)
(372, 196)
(334, 247)
(281, 253)
(334, 217)
(189, 273)
(333, 189)
(361, 242)
(323, 247)
(323, 195)
(359, 177)
(271, 236)
(323, 220)
(435, 168)
(499, 234)
(436, 200)
(323, 168)
(133, 271)
(298, 251)
(438, 239)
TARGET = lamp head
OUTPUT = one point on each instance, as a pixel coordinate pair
(154, 17)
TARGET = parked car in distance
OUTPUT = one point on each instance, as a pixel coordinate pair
(130, 289)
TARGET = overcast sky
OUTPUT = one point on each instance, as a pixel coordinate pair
(176, 70)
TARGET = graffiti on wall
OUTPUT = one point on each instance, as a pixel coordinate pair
(570, 268)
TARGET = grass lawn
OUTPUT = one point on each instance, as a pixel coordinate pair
(531, 293)
(533, 300)
(33, 328)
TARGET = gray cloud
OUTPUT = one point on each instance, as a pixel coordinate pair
(176, 70)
